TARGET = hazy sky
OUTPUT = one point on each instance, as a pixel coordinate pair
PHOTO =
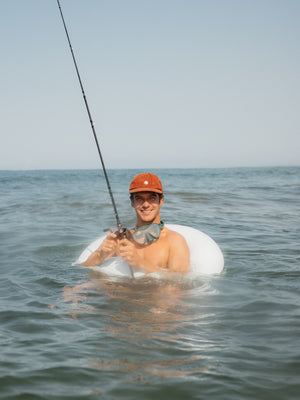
(170, 83)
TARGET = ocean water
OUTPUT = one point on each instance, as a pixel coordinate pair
(69, 333)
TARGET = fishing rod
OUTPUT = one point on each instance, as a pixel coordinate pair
(120, 229)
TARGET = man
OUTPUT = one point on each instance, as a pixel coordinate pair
(150, 246)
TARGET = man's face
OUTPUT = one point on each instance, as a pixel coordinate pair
(147, 207)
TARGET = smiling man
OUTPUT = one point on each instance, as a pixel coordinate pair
(150, 246)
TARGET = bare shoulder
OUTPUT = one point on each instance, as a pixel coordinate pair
(175, 237)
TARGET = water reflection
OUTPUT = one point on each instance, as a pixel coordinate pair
(171, 367)
(147, 316)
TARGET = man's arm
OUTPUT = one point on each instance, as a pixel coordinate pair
(179, 254)
(106, 250)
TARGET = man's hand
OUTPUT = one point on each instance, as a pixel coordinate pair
(108, 248)
(129, 254)
(109, 245)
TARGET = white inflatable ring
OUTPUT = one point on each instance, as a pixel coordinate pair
(205, 255)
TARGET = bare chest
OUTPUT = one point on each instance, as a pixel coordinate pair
(155, 254)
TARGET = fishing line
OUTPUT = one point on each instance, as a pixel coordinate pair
(92, 123)
(121, 231)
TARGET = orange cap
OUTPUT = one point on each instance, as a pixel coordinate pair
(146, 182)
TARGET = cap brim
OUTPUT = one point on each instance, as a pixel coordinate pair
(146, 190)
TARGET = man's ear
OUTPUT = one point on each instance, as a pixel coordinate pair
(131, 199)
(161, 202)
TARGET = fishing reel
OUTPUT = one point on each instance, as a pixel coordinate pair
(123, 233)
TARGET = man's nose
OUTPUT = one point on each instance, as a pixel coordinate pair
(146, 203)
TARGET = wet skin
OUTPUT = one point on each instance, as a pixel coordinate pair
(169, 253)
